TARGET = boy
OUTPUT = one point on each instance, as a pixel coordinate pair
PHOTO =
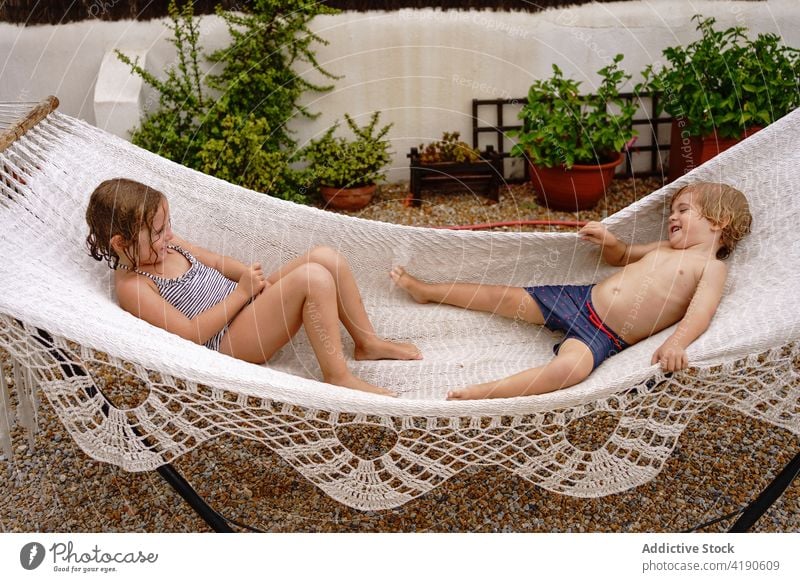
(680, 279)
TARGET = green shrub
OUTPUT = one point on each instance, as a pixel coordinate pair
(258, 76)
(769, 74)
(235, 125)
(173, 129)
(350, 163)
(239, 156)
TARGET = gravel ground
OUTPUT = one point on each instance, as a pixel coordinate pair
(722, 460)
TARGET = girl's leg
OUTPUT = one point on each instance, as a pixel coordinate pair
(573, 364)
(306, 296)
(368, 346)
(512, 302)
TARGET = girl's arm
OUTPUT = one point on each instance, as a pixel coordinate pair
(138, 296)
(672, 353)
(228, 266)
(615, 252)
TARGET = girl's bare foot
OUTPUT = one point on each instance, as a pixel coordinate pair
(386, 350)
(414, 287)
(475, 392)
(350, 381)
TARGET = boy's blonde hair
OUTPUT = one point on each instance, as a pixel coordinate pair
(120, 207)
(724, 206)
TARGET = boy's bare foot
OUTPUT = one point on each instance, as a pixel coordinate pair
(350, 381)
(414, 287)
(386, 350)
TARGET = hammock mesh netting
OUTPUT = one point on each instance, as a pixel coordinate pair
(136, 396)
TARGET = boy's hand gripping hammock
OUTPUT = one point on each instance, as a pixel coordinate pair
(747, 360)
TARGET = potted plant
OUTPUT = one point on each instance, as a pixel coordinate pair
(574, 141)
(452, 162)
(721, 88)
(449, 149)
(769, 74)
(347, 170)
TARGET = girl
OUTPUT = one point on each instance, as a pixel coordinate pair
(221, 303)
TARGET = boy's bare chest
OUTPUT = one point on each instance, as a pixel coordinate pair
(676, 273)
(651, 293)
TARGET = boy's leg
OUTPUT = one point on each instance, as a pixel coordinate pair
(512, 302)
(572, 365)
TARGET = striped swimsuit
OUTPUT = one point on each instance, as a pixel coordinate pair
(198, 289)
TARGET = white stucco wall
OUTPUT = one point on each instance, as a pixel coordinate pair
(421, 68)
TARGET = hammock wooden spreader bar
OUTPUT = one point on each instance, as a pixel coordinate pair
(34, 116)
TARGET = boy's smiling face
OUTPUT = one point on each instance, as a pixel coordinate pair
(687, 226)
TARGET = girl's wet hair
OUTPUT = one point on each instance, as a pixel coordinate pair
(722, 205)
(120, 207)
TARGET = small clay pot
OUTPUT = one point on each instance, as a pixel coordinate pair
(348, 198)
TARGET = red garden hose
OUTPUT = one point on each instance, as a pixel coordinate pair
(567, 223)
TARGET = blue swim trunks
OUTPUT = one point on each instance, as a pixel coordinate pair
(569, 308)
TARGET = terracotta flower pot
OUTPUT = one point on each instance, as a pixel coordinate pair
(579, 188)
(348, 198)
(686, 152)
(712, 145)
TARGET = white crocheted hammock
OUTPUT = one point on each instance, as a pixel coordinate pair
(747, 360)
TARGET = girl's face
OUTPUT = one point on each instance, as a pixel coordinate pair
(153, 243)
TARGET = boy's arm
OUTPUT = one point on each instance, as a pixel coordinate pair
(615, 252)
(672, 353)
